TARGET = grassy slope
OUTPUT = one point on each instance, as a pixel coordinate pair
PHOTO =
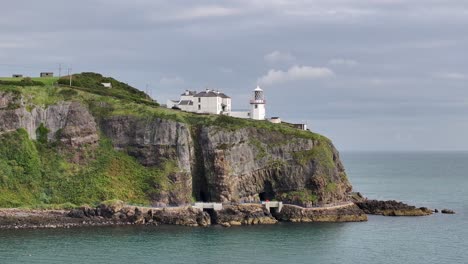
(34, 174)
(45, 80)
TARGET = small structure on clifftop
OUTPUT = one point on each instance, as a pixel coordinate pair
(47, 74)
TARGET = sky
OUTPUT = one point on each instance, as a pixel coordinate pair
(370, 75)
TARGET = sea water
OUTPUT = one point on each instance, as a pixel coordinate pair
(432, 179)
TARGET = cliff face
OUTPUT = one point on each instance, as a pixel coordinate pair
(73, 122)
(252, 164)
(212, 163)
(221, 165)
(153, 142)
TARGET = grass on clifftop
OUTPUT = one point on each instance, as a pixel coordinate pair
(29, 81)
(114, 101)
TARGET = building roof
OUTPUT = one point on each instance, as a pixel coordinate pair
(211, 93)
(187, 92)
(186, 102)
(258, 88)
(222, 95)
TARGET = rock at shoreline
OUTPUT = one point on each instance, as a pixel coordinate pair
(447, 211)
(391, 208)
(244, 214)
(349, 213)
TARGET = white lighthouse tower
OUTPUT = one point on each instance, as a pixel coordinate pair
(257, 103)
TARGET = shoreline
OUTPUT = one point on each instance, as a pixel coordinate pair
(119, 214)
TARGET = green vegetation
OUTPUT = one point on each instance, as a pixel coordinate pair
(331, 187)
(28, 81)
(35, 174)
(261, 150)
(321, 154)
(299, 197)
(92, 82)
(276, 163)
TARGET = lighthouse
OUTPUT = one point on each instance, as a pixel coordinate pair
(257, 110)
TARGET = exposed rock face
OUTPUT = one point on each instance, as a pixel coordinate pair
(153, 142)
(346, 213)
(391, 208)
(73, 121)
(220, 165)
(120, 213)
(253, 164)
(243, 214)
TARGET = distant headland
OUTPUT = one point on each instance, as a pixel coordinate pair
(85, 149)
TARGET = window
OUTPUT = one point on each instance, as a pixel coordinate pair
(199, 106)
(256, 106)
(199, 99)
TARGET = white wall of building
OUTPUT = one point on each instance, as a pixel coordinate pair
(210, 105)
(258, 111)
(170, 103)
(239, 114)
(227, 103)
(188, 108)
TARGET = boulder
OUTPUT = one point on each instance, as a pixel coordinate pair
(391, 208)
(76, 213)
(447, 211)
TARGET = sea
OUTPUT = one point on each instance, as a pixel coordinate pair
(432, 179)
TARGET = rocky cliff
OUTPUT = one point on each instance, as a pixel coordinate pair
(208, 161)
(247, 164)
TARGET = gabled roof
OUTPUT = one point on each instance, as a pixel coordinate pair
(222, 95)
(189, 92)
(186, 102)
(211, 93)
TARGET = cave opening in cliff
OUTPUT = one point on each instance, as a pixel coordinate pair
(203, 197)
(212, 214)
(267, 193)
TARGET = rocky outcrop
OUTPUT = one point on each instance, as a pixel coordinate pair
(243, 214)
(220, 165)
(343, 213)
(117, 212)
(252, 164)
(391, 208)
(69, 122)
(154, 141)
(447, 211)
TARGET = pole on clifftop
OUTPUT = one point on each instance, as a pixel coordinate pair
(70, 76)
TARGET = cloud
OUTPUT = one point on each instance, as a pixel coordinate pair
(295, 73)
(343, 62)
(451, 75)
(205, 12)
(279, 57)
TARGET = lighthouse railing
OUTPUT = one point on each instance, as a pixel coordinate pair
(257, 101)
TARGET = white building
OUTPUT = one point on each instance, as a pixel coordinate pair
(215, 102)
(208, 101)
(107, 85)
